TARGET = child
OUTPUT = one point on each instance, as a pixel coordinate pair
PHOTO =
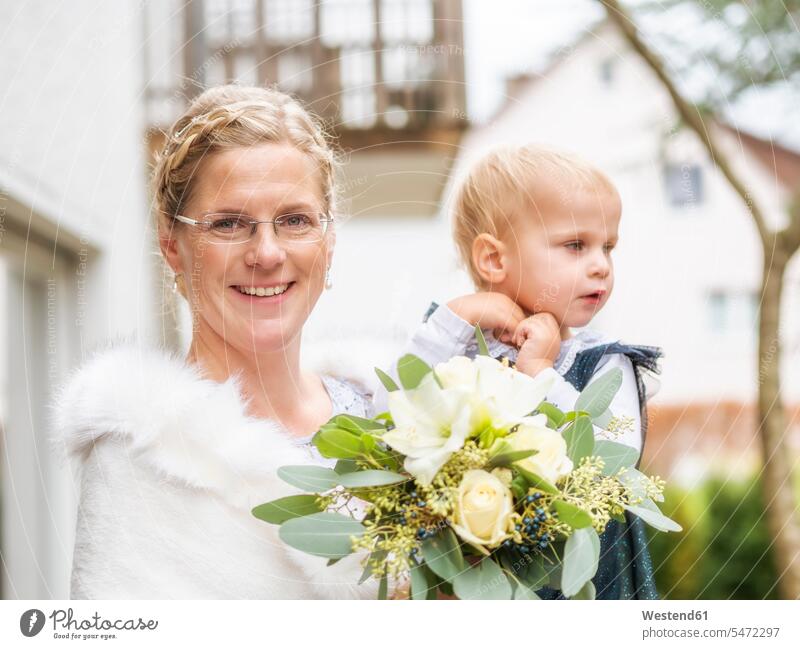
(536, 229)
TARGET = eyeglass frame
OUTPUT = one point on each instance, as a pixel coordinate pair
(254, 225)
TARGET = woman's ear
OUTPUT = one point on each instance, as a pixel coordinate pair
(488, 255)
(169, 246)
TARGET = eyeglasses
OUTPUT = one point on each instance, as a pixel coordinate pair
(297, 227)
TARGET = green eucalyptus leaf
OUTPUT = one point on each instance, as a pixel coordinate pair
(580, 439)
(337, 443)
(483, 349)
(309, 478)
(521, 591)
(603, 420)
(581, 556)
(636, 483)
(555, 416)
(411, 370)
(598, 395)
(358, 425)
(535, 481)
(587, 592)
(649, 512)
(484, 580)
(573, 516)
(528, 569)
(443, 555)
(370, 478)
(507, 459)
(346, 466)
(377, 556)
(383, 587)
(326, 534)
(615, 455)
(368, 442)
(388, 381)
(419, 582)
(283, 509)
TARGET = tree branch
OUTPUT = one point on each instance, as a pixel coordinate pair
(688, 112)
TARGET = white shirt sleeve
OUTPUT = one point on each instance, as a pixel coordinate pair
(624, 405)
(435, 341)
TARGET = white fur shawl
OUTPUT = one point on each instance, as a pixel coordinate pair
(171, 466)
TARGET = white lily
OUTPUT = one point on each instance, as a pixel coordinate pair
(502, 395)
(431, 423)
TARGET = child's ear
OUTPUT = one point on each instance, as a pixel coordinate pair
(488, 254)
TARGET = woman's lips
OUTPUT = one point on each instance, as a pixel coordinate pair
(242, 293)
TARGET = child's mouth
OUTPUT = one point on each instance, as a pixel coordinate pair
(593, 298)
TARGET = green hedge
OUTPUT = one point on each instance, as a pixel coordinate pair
(724, 550)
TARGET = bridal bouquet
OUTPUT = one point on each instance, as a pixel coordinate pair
(471, 484)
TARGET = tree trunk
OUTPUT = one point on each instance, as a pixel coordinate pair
(777, 482)
(779, 500)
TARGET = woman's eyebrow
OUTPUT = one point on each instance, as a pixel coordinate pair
(291, 207)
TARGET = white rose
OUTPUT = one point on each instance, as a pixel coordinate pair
(483, 509)
(551, 461)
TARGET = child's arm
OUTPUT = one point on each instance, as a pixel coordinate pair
(450, 331)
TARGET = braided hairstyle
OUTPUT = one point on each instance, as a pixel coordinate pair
(228, 117)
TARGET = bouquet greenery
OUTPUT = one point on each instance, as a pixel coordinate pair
(470, 485)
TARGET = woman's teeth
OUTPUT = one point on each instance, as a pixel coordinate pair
(262, 291)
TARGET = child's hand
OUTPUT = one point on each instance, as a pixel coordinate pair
(489, 310)
(539, 341)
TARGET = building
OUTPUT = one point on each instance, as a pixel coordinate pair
(688, 262)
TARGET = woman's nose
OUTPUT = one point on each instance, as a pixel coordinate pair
(264, 249)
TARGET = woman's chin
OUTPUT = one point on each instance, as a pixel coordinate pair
(266, 339)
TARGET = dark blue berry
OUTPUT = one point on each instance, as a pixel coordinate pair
(527, 520)
(421, 503)
(524, 549)
(530, 499)
(539, 511)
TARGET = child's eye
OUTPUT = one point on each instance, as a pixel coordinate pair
(575, 245)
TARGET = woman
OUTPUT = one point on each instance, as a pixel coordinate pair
(174, 454)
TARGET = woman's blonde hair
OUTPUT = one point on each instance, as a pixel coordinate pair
(503, 182)
(228, 117)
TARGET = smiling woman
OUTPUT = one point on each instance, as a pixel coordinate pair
(175, 453)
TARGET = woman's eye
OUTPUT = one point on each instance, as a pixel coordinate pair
(294, 221)
(228, 224)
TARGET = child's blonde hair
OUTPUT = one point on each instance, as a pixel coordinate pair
(501, 183)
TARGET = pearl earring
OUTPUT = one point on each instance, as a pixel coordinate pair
(328, 282)
(175, 283)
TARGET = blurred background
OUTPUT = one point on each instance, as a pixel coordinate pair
(414, 91)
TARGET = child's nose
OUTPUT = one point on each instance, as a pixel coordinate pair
(600, 264)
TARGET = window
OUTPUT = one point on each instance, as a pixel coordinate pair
(683, 184)
(732, 311)
(607, 71)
